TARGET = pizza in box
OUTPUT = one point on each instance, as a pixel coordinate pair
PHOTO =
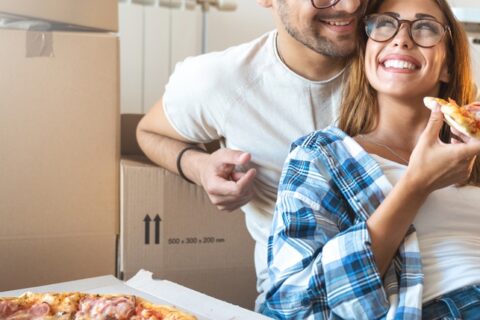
(83, 306)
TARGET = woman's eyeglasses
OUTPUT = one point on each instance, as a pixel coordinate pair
(425, 33)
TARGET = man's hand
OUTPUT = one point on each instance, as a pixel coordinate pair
(227, 188)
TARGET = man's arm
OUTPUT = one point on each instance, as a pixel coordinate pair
(226, 188)
(162, 143)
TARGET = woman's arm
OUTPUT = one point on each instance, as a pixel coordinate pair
(319, 261)
(433, 165)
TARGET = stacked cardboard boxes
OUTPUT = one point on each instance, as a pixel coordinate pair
(85, 14)
(59, 142)
(170, 228)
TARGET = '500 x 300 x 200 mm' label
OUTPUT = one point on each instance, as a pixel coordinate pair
(195, 240)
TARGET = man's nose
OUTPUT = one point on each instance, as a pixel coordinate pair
(350, 6)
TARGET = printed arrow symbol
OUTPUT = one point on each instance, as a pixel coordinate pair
(157, 220)
(147, 220)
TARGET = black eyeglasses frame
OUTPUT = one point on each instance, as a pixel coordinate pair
(446, 28)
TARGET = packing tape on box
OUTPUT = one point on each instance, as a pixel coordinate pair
(39, 39)
(39, 44)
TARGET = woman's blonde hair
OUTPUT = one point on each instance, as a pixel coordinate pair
(359, 109)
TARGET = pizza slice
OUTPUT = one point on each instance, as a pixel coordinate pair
(82, 306)
(465, 119)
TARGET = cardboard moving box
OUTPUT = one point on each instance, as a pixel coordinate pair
(169, 227)
(59, 158)
(95, 14)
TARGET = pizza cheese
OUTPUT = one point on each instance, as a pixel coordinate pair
(465, 119)
(82, 306)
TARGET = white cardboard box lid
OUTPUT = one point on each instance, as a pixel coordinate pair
(157, 291)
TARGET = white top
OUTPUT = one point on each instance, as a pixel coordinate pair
(252, 101)
(448, 230)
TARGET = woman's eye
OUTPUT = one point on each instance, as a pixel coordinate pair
(385, 24)
(427, 27)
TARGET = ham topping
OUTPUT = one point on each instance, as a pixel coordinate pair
(106, 308)
(11, 311)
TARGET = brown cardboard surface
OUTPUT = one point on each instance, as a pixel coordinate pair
(97, 14)
(128, 139)
(59, 156)
(43, 260)
(169, 227)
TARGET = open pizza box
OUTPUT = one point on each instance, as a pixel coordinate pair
(156, 291)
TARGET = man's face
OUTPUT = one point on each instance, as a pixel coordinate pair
(330, 32)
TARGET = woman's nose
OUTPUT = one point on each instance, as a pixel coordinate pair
(403, 38)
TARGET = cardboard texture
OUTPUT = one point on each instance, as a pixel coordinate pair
(169, 227)
(95, 14)
(59, 159)
(156, 291)
(128, 139)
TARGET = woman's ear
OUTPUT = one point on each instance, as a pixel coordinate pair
(265, 3)
(445, 74)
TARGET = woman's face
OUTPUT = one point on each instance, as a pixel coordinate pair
(400, 68)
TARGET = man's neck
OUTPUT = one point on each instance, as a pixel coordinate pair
(306, 62)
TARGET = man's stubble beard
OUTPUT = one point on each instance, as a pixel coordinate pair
(314, 41)
(322, 45)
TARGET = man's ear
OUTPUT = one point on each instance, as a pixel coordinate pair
(265, 3)
(445, 74)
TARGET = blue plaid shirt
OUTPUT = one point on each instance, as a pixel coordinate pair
(320, 258)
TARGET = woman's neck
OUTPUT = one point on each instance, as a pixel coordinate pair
(401, 121)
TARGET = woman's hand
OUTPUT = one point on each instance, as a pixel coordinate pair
(434, 164)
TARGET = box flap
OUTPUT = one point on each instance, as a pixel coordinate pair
(202, 305)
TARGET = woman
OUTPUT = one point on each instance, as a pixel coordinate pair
(343, 243)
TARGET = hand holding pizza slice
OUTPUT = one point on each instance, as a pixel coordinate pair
(465, 119)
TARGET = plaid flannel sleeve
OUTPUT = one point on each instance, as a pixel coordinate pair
(320, 263)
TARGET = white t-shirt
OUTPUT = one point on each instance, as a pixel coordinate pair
(448, 230)
(249, 99)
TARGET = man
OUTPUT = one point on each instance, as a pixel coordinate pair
(256, 98)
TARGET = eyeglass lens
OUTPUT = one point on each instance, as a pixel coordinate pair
(424, 32)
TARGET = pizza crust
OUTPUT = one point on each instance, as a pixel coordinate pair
(168, 313)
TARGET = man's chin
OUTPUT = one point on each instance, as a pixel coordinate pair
(337, 50)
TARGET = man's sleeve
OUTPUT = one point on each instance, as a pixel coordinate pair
(192, 100)
(320, 264)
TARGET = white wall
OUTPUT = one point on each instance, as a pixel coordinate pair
(154, 39)
(226, 29)
(465, 3)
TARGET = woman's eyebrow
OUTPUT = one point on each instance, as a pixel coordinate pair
(424, 15)
(392, 14)
(417, 16)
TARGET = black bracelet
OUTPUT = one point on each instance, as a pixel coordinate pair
(179, 159)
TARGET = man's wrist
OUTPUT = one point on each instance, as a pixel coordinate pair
(184, 170)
